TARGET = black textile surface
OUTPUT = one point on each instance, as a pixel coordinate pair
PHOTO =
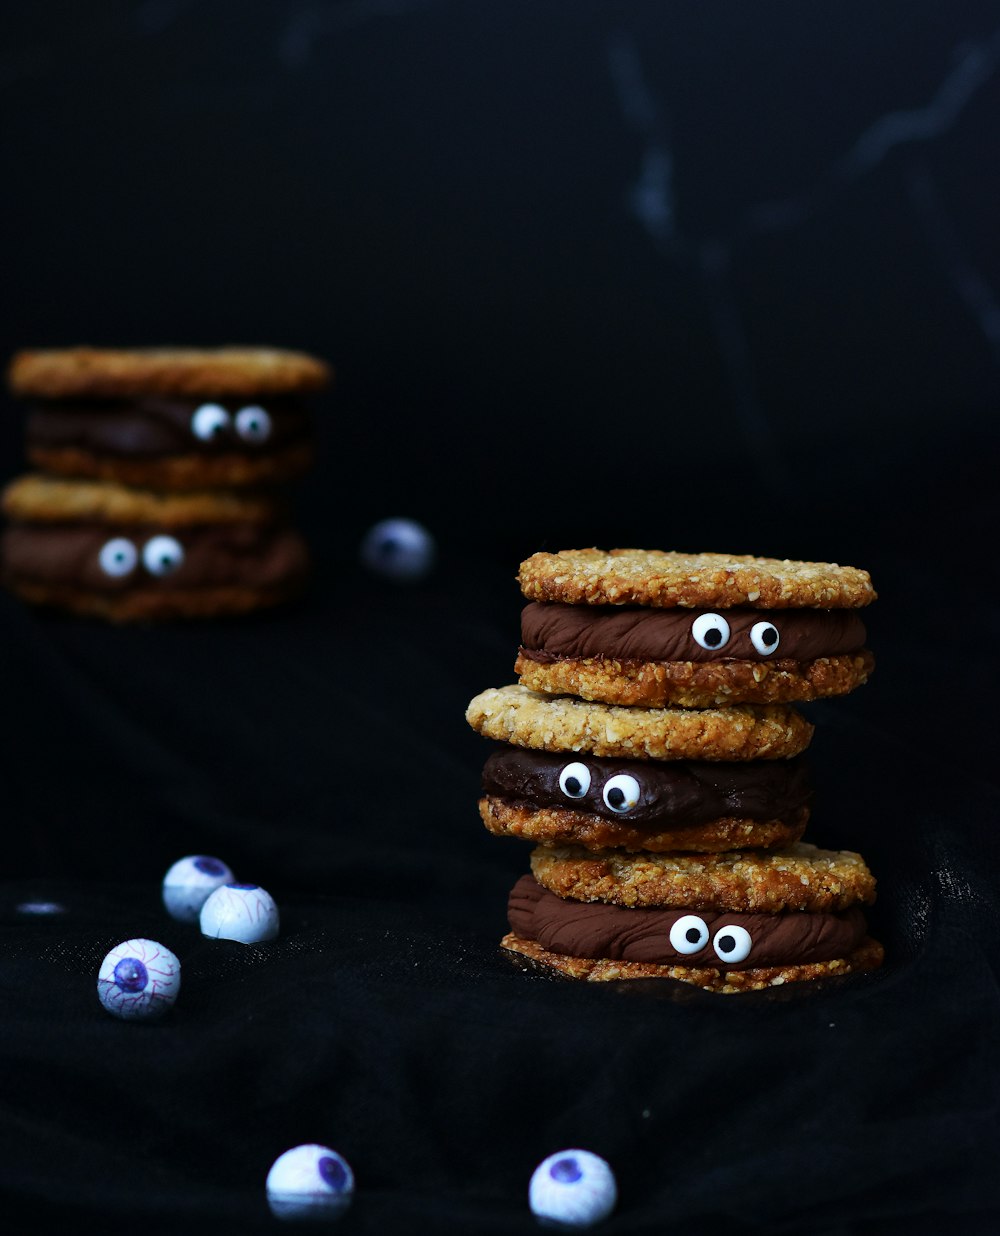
(322, 752)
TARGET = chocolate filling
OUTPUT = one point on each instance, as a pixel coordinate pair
(670, 792)
(595, 930)
(551, 631)
(251, 555)
(158, 426)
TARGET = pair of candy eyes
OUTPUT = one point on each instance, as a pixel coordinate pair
(690, 935)
(160, 556)
(621, 792)
(211, 420)
(712, 631)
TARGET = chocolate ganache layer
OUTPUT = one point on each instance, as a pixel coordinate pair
(678, 793)
(684, 937)
(553, 631)
(85, 556)
(159, 426)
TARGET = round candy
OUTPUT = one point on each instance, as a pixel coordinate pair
(399, 549)
(188, 883)
(574, 1188)
(243, 912)
(139, 980)
(309, 1182)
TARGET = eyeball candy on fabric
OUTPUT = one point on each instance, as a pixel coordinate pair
(309, 1182)
(572, 1188)
(398, 549)
(242, 912)
(139, 980)
(190, 881)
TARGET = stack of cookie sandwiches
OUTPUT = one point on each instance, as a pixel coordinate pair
(652, 753)
(159, 490)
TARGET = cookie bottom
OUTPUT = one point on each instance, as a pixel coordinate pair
(150, 606)
(867, 956)
(694, 684)
(178, 471)
(559, 826)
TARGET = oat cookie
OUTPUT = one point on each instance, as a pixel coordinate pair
(744, 732)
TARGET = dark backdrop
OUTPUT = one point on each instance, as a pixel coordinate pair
(693, 276)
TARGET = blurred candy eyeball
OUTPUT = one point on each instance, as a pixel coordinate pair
(309, 1182)
(242, 912)
(139, 980)
(398, 549)
(190, 881)
(572, 1188)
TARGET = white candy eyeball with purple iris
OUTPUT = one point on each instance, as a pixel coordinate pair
(189, 883)
(398, 549)
(162, 555)
(242, 912)
(574, 1188)
(710, 631)
(209, 422)
(309, 1182)
(139, 980)
(118, 557)
(253, 424)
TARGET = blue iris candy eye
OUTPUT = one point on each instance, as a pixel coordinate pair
(242, 912)
(309, 1182)
(574, 1188)
(398, 549)
(189, 883)
(139, 980)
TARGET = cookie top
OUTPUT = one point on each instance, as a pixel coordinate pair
(563, 723)
(665, 579)
(799, 877)
(35, 498)
(110, 373)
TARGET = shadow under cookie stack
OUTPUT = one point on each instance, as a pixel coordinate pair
(159, 490)
(651, 752)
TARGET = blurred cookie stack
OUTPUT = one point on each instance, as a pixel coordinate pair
(159, 490)
(651, 750)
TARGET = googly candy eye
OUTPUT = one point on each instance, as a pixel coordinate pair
(732, 944)
(118, 557)
(710, 631)
(162, 555)
(574, 780)
(398, 549)
(253, 424)
(139, 980)
(309, 1182)
(209, 422)
(189, 883)
(689, 934)
(573, 1187)
(242, 912)
(764, 637)
(621, 792)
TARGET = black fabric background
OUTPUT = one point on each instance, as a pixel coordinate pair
(796, 356)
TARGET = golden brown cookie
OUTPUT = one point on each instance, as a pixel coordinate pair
(136, 555)
(714, 581)
(559, 723)
(800, 877)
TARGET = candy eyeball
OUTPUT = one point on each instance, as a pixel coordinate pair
(253, 424)
(398, 549)
(689, 934)
(118, 557)
(242, 912)
(139, 980)
(710, 631)
(574, 780)
(309, 1182)
(764, 637)
(732, 944)
(621, 793)
(574, 1188)
(162, 555)
(189, 883)
(209, 422)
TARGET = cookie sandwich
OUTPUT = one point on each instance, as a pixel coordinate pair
(169, 418)
(738, 921)
(128, 554)
(656, 628)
